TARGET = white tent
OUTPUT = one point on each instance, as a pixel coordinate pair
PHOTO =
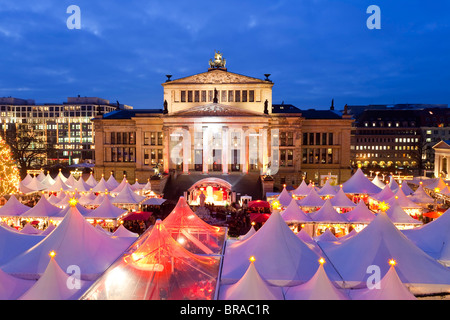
(76, 242)
(251, 287)
(27, 179)
(284, 198)
(274, 241)
(399, 216)
(11, 287)
(71, 181)
(127, 196)
(101, 187)
(403, 200)
(293, 213)
(327, 214)
(13, 207)
(48, 230)
(360, 184)
(438, 183)
(29, 229)
(42, 209)
(326, 236)
(112, 183)
(406, 188)
(393, 184)
(106, 210)
(61, 176)
(14, 243)
(327, 190)
(360, 214)
(87, 198)
(340, 200)
(80, 186)
(421, 197)
(99, 199)
(91, 180)
(120, 187)
(389, 288)
(124, 232)
(62, 213)
(40, 176)
(384, 194)
(34, 186)
(319, 287)
(250, 232)
(154, 201)
(48, 181)
(312, 200)
(302, 190)
(433, 238)
(379, 242)
(136, 186)
(55, 284)
(58, 186)
(376, 181)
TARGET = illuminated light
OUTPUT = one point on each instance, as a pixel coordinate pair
(52, 254)
(253, 223)
(321, 261)
(252, 259)
(396, 197)
(73, 202)
(437, 190)
(392, 262)
(181, 240)
(383, 206)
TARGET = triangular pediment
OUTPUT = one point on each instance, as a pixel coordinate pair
(216, 76)
(216, 109)
(442, 145)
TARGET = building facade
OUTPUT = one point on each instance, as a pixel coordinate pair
(222, 125)
(67, 127)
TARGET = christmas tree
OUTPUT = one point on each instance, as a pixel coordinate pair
(9, 173)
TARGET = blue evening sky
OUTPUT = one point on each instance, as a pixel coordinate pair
(315, 50)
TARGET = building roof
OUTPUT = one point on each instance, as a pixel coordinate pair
(130, 113)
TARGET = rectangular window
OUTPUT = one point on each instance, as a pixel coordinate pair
(330, 139)
(251, 96)
(183, 96)
(146, 157)
(237, 96)
(223, 96)
(190, 96)
(113, 138)
(244, 95)
(210, 96)
(196, 96)
(153, 139)
(203, 95)
(230, 96)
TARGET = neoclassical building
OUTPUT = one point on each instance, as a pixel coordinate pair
(442, 159)
(220, 130)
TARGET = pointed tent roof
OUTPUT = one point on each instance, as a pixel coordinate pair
(437, 183)
(80, 186)
(393, 184)
(22, 242)
(327, 214)
(28, 178)
(399, 216)
(13, 207)
(406, 188)
(42, 209)
(58, 185)
(284, 197)
(326, 236)
(87, 198)
(48, 230)
(433, 238)
(106, 210)
(182, 218)
(124, 232)
(48, 181)
(102, 186)
(34, 186)
(274, 241)
(76, 242)
(126, 195)
(360, 184)
(40, 176)
(91, 180)
(99, 199)
(340, 200)
(112, 183)
(54, 200)
(327, 190)
(29, 229)
(145, 268)
(420, 196)
(311, 200)
(293, 213)
(61, 176)
(11, 287)
(402, 200)
(250, 232)
(360, 214)
(302, 189)
(137, 186)
(120, 187)
(251, 287)
(384, 194)
(376, 244)
(62, 213)
(71, 180)
(391, 288)
(319, 287)
(376, 181)
(52, 285)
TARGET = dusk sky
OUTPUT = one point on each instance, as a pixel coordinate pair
(314, 50)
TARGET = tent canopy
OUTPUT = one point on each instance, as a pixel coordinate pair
(360, 184)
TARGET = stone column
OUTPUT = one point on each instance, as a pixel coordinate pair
(186, 149)
(166, 151)
(205, 149)
(225, 149)
(244, 155)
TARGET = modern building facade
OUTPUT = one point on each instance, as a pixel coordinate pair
(222, 126)
(67, 126)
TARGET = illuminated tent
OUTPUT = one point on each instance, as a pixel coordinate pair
(274, 241)
(438, 183)
(384, 194)
(34, 186)
(302, 190)
(80, 186)
(433, 238)
(360, 184)
(48, 230)
(340, 200)
(112, 183)
(159, 268)
(393, 184)
(399, 216)
(99, 199)
(91, 181)
(29, 229)
(124, 232)
(28, 178)
(127, 196)
(390, 288)
(293, 213)
(48, 181)
(102, 186)
(380, 242)
(106, 210)
(71, 181)
(77, 242)
(62, 213)
(55, 284)
(403, 201)
(420, 196)
(42, 209)
(58, 186)
(319, 287)
(14, 243)
(311, 200)
(327, 190)
(40, 176)
(137, 186)
(54, 200)
(13, 207)
(11, 287)
(251, 287)
(327, 214)
(120, 187)
(186, 227)
(376, 181)
(87, 198)
(406, 189)
(360, 214)
(284, 198)
(250, 232)
(326, 236)
(61, 176)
